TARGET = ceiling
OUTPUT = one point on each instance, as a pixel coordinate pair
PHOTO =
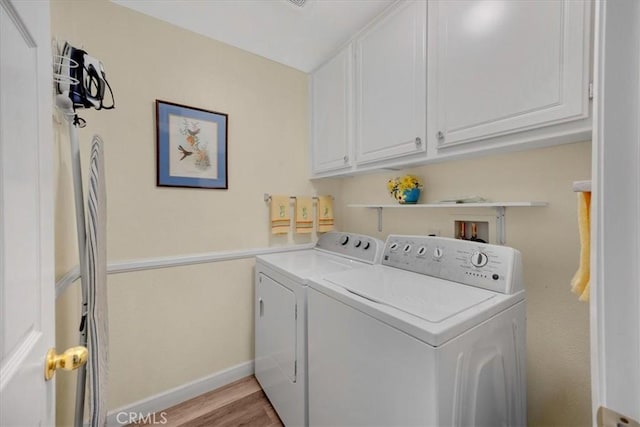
(300, 37)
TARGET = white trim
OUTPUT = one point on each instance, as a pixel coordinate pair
(66, 280)
(614, 297)
(596, 296)
(175, 261)
(183, 393)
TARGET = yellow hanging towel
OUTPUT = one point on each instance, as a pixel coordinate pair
(580, 281)
(304, 216)
(280, 216)
(325, 214)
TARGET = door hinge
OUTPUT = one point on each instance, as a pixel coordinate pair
(296, 312)
(295, 368)
(590, 90)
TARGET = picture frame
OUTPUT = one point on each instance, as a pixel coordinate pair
(191, 147)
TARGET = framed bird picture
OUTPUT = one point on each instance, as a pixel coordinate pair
(192, 146)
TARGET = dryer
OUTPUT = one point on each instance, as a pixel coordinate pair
(434, 336)
(280, 314)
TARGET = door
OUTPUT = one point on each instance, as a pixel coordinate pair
(276, 318)
(391, 85)
(615, 274)
(26, 214)
(331, 109)
(501, 67)
(279, 343)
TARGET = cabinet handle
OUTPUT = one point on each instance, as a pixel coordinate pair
(418, 141)
(440, 135)
(261, 306)
(346, 159)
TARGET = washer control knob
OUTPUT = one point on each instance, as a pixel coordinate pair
(357, 243)
(394, 247)
(422, 250)
(479, 259)
(407, 248)
(344, 240)
(437, 253)
(366, 246)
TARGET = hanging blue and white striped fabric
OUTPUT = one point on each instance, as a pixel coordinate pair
(96, 259)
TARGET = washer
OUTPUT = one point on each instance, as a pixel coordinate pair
(280, 314)
(435, 336)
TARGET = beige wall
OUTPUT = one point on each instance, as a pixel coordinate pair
(172, 326)
(557, 324)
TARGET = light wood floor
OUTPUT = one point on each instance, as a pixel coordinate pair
(242, 403)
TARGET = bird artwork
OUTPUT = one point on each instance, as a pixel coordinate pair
(184, 152)
(191, 131)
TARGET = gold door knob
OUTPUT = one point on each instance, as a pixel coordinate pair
(71, 359)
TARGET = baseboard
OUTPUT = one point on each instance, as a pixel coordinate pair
(179, 394)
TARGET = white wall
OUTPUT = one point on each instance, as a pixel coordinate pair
(557, 324)
(172, 326)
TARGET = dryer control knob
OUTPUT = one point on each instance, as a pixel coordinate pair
(437, 253)
(479, 259)
(393, 247)
(344, 240)
(366, 246)
(357, 243)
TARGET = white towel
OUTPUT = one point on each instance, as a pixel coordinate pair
(96, 259)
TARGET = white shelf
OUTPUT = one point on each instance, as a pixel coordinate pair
(581, 186)
(451, 205)
(500, 208)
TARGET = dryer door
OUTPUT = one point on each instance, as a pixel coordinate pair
(276, 313)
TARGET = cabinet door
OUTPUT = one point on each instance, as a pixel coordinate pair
(331, 107)
(502, 67)
(391, 85)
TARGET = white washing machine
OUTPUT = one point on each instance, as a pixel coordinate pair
(435, 336)
(280, 314)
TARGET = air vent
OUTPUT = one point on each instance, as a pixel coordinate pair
(298, 3)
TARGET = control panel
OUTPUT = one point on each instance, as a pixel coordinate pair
(492, 267)
(356, 246)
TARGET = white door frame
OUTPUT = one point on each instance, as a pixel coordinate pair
(615, 255)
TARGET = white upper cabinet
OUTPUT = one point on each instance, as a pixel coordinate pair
(391, 85)
(432, 80)
(503, 67)
(331, 111)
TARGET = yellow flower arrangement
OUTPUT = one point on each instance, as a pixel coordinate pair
(397, 186)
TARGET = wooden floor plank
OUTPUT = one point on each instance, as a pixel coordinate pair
(241, 403)
(248, 411)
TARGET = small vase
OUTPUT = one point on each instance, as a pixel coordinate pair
(410, 197)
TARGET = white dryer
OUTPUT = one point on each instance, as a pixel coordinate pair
(435, 336)
(280, 314)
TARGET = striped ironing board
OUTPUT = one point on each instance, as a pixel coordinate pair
(98, 328)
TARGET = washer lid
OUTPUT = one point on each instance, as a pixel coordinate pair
(428, 298)
(301, 265)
